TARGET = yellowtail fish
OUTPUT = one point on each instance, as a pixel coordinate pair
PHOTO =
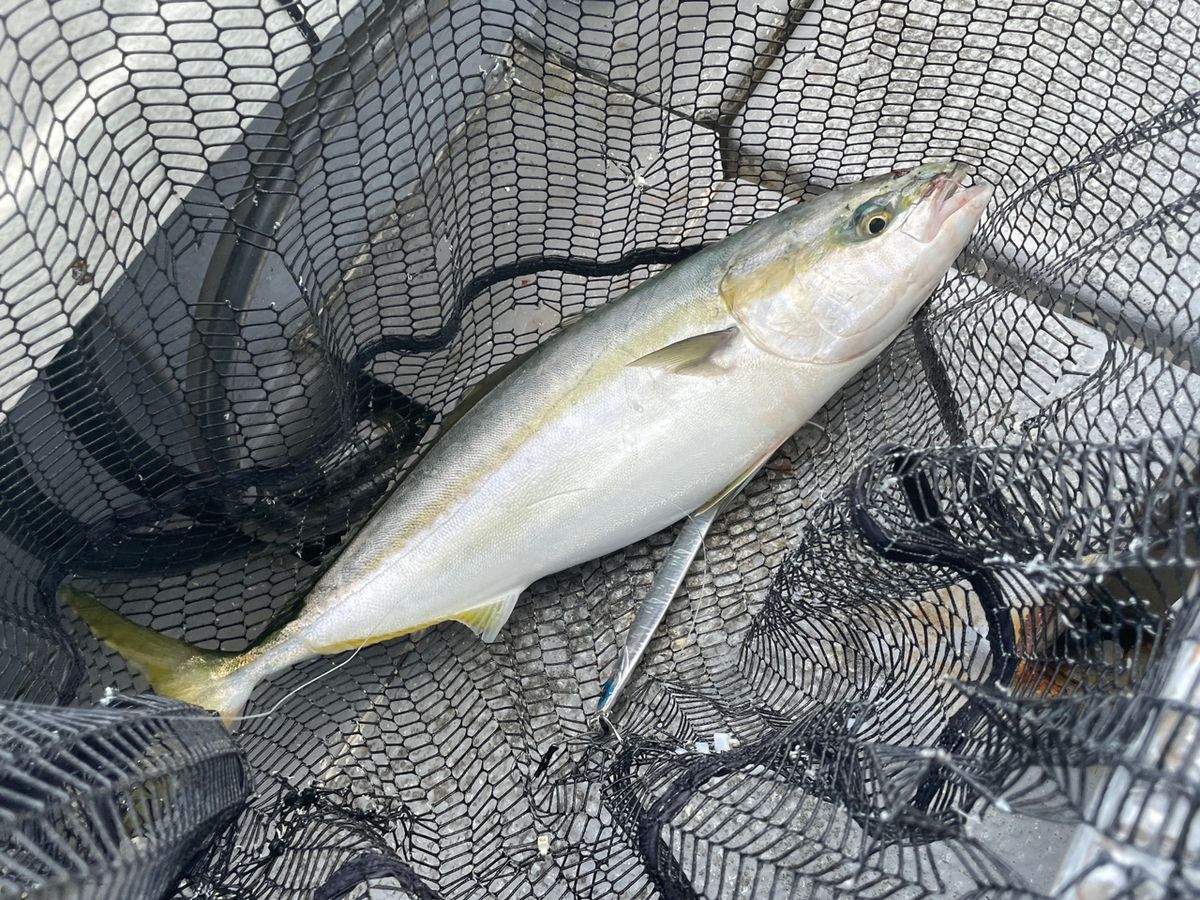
(643, 412)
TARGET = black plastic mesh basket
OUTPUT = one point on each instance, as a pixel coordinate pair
(253, 252)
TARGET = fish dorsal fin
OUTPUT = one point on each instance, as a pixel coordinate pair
(570, 320)
(487, 619)
(476, 392)
(691, 356)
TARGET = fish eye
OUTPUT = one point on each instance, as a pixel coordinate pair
(874, 222)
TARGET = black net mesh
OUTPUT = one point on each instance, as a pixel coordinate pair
(104, 802)
(253, 252)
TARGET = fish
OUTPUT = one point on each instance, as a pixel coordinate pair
(640, 413)
(667, 581)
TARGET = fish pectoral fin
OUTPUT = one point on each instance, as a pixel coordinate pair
(487, 619)
(691, 356)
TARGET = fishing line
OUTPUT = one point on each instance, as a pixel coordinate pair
(367, 639)
(204, 713)
(306, 684)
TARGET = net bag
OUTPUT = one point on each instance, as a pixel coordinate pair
(109, 802)
(255, 252)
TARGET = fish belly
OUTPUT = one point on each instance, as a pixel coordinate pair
(612, 467)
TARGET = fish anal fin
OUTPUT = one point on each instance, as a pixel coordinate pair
(691, 356)
(487, 619)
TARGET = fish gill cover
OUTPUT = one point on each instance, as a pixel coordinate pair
(252, 253)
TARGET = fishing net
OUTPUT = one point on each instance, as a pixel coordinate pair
(104, 802)
(253, 252)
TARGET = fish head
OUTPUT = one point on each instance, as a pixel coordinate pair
(837, 278)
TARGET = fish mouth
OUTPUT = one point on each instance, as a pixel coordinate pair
(950, 198)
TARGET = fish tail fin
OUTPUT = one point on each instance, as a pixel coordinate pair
(208, 678)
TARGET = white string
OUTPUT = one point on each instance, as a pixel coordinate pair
(275, 707)
(309, 683)
(278, 703)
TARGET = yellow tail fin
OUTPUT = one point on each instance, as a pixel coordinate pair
(207, 678)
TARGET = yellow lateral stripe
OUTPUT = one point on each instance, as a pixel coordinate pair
(612, 362)
(374, 639)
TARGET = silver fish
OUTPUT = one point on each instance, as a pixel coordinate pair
(634, 417)
(664, 587)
